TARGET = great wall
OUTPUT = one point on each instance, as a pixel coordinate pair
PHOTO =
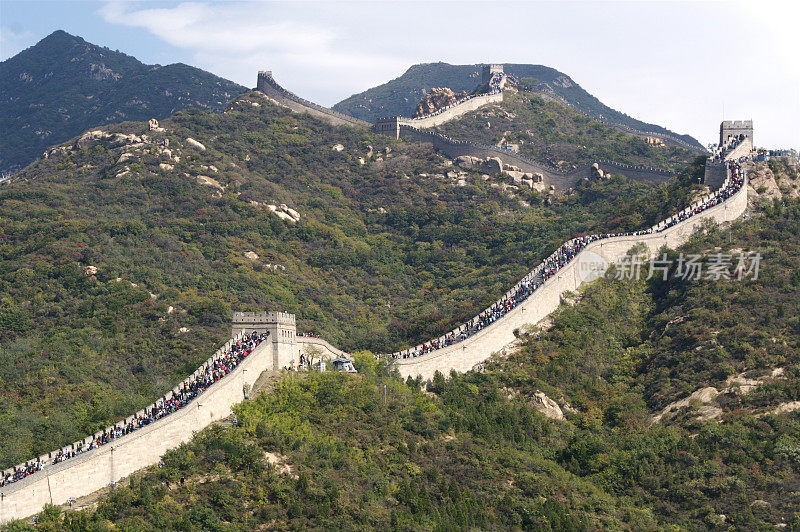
(105, 465)
(414, 130)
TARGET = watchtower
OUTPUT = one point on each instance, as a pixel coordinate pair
(388, 126)
(730, 129)
(488, 71)
(282, 332)
(264, 79)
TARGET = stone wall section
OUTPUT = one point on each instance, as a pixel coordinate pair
(103, 466)
(464, 355)
(461, 108)
(326, 351)
(268, 85)
(560, 180)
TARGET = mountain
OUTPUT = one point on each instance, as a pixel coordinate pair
(126, 249)
(400, 96)
(64, 85)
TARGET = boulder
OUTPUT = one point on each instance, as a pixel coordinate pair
(546, 406)
(291, 212)
(191, 142)
(596, 171)
(516, 176)
(492, 165)
(153, 123)
(252, 255)
(337, 147)
(283, 216)
(468, 161)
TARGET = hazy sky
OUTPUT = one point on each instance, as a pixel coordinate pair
(677, 64)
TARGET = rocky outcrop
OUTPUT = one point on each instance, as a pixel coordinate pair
(191, 142)
(437, 98)
(597, 173)
(703, 401)
(546, 406)
(153, 124)
(284, 212)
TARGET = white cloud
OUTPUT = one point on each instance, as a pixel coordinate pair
(237, 40)
(13, 42)
(673, 64)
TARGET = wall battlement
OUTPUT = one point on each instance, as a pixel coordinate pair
(559, 179)
(464, 355)
(267, 84)
(729, 129)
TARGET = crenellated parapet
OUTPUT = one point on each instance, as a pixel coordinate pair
(560, 180)
(270, 87)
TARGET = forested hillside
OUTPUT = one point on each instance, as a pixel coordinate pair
(126, 250)
(64, 85)
(473, 451)
(546, 130)
(400, 96)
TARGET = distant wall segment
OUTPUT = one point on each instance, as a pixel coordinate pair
(560, 180)
(268, 85)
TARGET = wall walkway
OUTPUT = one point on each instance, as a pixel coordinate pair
(102, 466)
(268, 85)
(560, 180)
(464, 355)
(325, 350)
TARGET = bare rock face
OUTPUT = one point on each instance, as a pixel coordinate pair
(546, 406)
(492, 166)
(153, 124)
(468, 161)
(191, 142)
(437, 98)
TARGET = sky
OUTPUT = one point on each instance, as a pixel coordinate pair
(683, 65)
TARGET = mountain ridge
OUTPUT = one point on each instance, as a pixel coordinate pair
(399, 96)
(64, 85)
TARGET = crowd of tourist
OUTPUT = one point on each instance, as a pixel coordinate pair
(495, 81)
(189, 390)
(560, 258)
(730, 144)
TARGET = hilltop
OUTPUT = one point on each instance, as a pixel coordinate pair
(127, 248)
(549, 131)
(400, 95)
(64, 85)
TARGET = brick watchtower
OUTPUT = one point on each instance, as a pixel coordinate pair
(734, 128)
(488, 71)
(282, 333)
